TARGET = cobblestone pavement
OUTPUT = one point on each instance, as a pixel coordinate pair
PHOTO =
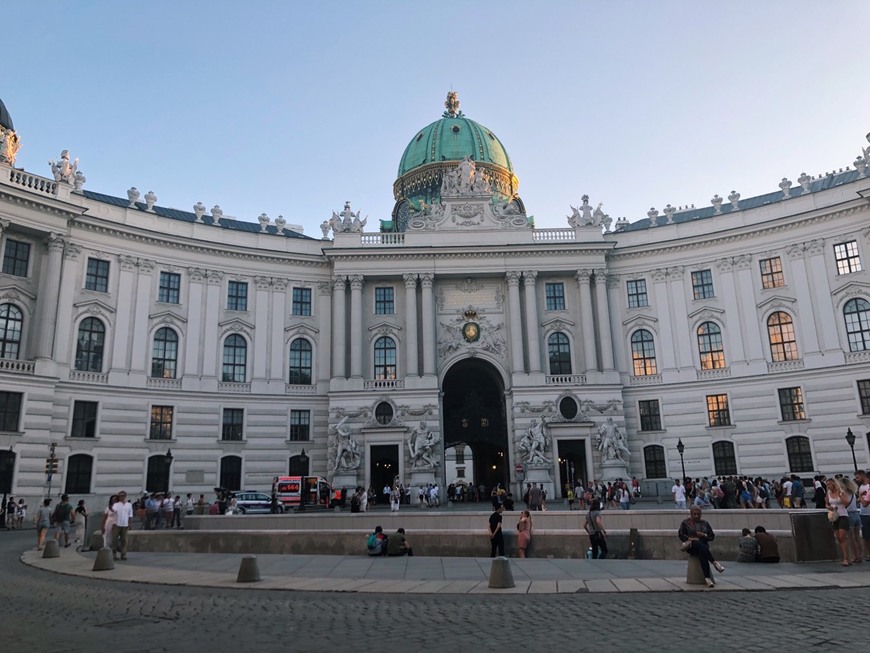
(42, 611)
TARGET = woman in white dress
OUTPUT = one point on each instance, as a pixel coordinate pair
(109, 520)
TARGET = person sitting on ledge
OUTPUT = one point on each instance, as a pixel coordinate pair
(377, 542)
(768, 549)
(398, 545)
(696, 534)
(748, 547)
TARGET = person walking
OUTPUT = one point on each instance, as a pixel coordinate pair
(679, 494)
(496, 536)
(395, 499)
(62, 517)
(43, 523)
(838, 501)
(524, 533)
(80, 519)
(696, 534)
(594, 526)
(864, 503)
(108, 521)
(123, 515)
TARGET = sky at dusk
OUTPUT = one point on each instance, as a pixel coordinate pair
(292, 108)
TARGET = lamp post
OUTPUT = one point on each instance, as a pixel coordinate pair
(303, 486)
(850, 438)
(168, 457)
(681, 448)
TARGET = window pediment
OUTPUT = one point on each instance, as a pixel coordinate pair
(558, 324)
(94, 306)
(852, 289)
(777, 301)
(707, 313)
(642, 321)
(297, 330)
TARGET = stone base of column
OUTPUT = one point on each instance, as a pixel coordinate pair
(345, 479)
(612, 470)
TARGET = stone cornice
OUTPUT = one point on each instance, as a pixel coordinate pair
(521, 251)
(45, 204)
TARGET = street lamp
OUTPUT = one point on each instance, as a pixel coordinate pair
(303, 486)
(681, 448)
(850, 438)
(168, 458)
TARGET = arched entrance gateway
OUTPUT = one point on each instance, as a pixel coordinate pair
(473, 407)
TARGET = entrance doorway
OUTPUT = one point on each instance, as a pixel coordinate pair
(474, 415)
(571, 464)
(383, 468)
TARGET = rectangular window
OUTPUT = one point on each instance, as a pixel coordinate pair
(650, 416)
(237, 296)
(161, 422)
(384, 303)
(864, 394)
(702, 284)
(654, 461)
(771, 273)
(717, 410)
(232, 426)
(555, 294)
(300, 425)
(460, 456)
(791, 403)
(10, 411)
(848, 259)
(460, 472)
(84, 421)
(170, 288)
(97, 276)
(637, 293)
(16, 258)
(302, 301)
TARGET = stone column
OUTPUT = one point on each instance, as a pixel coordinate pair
(411, 324)
(339, 312)
(806, 328)
(823, 308)
(277, 356)
(749, 324)
(212, 359)
(357, 321)
(603, 320)
(664, 343)
(616, 329)
(677, 313)
(427, 280)
(123, 332)
(140, 354)
(324, 337)
(735, 353)
(587, 326)
(49, 291)
(516, 325)
(64, 306)
(533, 330)
(193, 340)
(262, 307)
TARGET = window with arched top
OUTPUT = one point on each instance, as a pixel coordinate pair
(164, 354)
(643, 353)
(11, 322)
(231, 473)
(800, 455)
(235, 364)
(780, 333)
(89, 345)
(559, 353)
(79, 469)
(300, 362)
(157, 474)
(654, 461)
(724, 458)
(856, 312)
(710, 346)
(385, 358)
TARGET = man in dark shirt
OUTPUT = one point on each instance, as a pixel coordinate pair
(496, 536)
(398, 545)
(768, 549)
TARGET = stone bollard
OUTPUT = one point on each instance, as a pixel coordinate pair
(500, 575)
(96, 542)
(104, 561)
(249, 570)
(52, 549)
(694, 573)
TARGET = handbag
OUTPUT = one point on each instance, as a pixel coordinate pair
(833, 517)
(685, 546)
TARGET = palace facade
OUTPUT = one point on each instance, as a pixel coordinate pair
(129, 331)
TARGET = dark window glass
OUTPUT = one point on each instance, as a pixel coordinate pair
(302, 301)
(235, 366)
(724, 460)
(384, 413)
(702, 284)
(231, 473)
(791, 403)
(857, 315)
(10, 411)
(800, 456)
(650, 415)
(780, 333)
(97, 276)
(717, 410)
(296, 467)
(771, 273)
(643, 353)
(164, 354)
(16, 258)
(637, 296)
(384, 304)
(710, 346)
(237, 296)
(78, 474)
(157, 476)
(864, 395)
(89, 346)
(848, 259)
(559, 352)
(300, 362)
(84, 421)
(460, 454)
(300, 425)
(385, 358)
(654, 461)
(161, 423)
(555, 296)
(169, 290)
(233, 424)
(11, 323)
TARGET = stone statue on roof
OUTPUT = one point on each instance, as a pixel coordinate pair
(63, 170)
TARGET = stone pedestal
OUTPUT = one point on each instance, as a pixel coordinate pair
(345, 478)
(541, 476)
(612, 470)
(423, 478)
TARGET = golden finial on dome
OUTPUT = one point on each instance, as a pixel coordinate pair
(452, 105)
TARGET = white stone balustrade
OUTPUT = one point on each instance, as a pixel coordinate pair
(239, 388)
(553, 235)
(16, 366)
(383, 384)
(88, 377)
(33, 182)
(566, 379)
(388, 239)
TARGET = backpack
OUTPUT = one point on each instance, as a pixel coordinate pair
(372, 542)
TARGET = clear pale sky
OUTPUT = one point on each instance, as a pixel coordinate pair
(294, 107)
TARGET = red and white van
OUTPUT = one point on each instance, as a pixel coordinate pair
(289, 491)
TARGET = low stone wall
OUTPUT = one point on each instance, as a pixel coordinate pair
(556, 534)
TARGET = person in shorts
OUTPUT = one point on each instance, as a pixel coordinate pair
(863, 480)
(62, 518)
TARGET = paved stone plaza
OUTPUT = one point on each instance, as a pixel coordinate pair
(44, 610)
